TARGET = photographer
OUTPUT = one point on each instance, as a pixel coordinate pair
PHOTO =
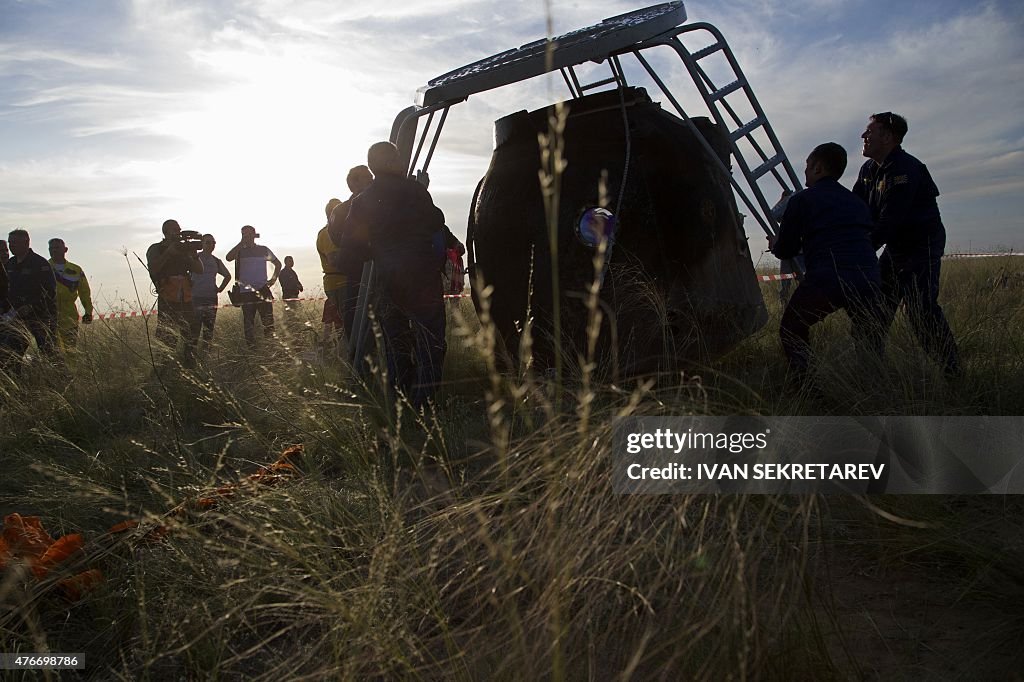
(252, 283)
(171, 263)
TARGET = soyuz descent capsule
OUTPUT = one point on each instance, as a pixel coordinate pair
(646, 206)
(677, 281)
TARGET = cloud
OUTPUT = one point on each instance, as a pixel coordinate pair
(951, 77)
(252, 110)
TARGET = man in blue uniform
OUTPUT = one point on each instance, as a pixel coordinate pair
(832, 228)
(405, 234)
(32, 295)
(901, 195)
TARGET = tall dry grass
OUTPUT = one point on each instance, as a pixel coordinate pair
(478, 540)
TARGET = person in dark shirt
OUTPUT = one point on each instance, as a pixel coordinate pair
(171, 265)
(396, 221)
(32, 297)
(901, 195)
(343, 266)
(832, 228)
(5, 255)
(291, 287)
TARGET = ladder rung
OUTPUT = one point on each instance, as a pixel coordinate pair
(710, 49)
(767, 165)
(722, 92)
(598, 84)
(740, 133)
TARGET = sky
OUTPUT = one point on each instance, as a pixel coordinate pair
(115, 116)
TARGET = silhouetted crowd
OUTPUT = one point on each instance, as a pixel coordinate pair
(383, 249)
(388, 220)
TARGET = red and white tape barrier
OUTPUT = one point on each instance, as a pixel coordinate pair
(980, 255)
(760, 278)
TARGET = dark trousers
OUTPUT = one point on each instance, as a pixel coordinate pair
(789, 266)
(813, 301)
(291, 301)
(266, 313)
(174, 319)
(205, 316)
(415, 348)
(349, 301)
(914, 281)
(16, 336)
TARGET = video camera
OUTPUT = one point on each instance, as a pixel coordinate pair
(191, 240)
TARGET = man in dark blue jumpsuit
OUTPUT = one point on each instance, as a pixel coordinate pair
(901, 195)
(833, 229)
(32, 295)
(405, 233)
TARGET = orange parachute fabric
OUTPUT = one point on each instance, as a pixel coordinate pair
(77, 585)
(280, 470)
(24, 537)
(58, 553)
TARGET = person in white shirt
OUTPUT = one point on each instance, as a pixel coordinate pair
(253, 282)
(205, 289)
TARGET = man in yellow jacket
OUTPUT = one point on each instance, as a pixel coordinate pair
(71, 286)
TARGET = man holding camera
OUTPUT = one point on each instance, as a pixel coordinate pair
(253, 284)
(171, 263)
(72, 286)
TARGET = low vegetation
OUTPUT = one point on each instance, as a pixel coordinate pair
(482, 540)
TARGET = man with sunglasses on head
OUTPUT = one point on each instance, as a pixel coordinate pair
(251, 271)
(901, 194)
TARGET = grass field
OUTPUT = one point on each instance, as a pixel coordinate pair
(482, 540)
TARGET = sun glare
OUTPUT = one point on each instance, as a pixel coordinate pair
(272, 146)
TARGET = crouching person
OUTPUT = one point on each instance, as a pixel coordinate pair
(832, 227)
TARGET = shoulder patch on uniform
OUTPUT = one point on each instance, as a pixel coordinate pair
(900, 180)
